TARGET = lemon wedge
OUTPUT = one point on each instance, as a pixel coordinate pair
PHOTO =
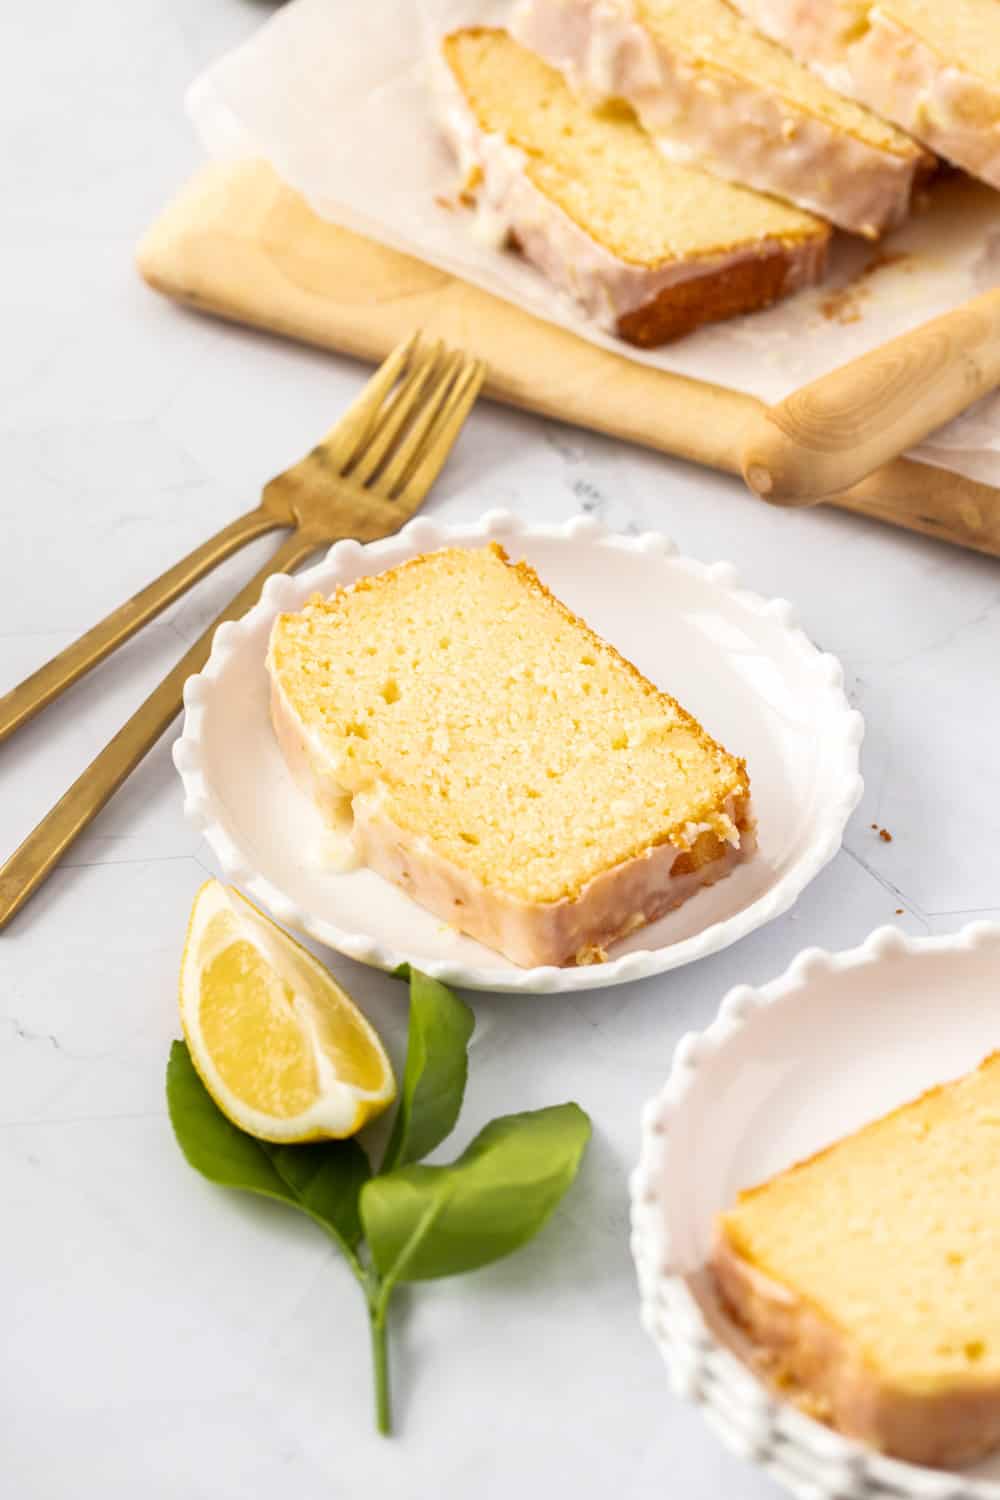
(283, 1051)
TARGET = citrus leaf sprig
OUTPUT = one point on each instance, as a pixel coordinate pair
(405, 1222)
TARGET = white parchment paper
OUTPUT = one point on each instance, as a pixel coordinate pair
(334, 96)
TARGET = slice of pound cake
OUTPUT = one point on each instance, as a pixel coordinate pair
(868, 1277)
(503, 764)
(932, 66)
(650, 249)
(712, 91)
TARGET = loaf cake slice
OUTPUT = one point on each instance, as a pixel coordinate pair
(650, 249)
(713, 92)
(868, 1276)
(932, 66)
(504, 766)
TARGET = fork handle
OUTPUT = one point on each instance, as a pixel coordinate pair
(38, 690)
(26, 869)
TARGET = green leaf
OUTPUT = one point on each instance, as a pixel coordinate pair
(326, 1178)
(423, 1222)
(437, 1063)
(323, 1180)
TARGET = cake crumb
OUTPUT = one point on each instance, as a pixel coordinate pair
(846, 304)
(899, 911)
(885, 835)
(842, 306)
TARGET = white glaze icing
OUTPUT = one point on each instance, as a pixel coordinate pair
(955, 112)
(814, 31)
(507, 204)
(868, 54)
(336, 848)
(727, 124)
(609, 906)
(576, 929)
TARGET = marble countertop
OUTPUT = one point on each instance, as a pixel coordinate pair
(161, 1337)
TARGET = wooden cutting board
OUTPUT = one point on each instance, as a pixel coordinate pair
(238, 243)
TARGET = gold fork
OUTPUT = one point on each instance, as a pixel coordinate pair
(364, 480)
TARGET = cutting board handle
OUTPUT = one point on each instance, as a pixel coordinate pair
(836, 431)
(239, 243)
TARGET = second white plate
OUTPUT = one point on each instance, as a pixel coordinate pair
(837, 1040)
(735, 660)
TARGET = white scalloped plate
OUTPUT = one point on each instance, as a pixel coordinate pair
(838, 1040)
(735, 660)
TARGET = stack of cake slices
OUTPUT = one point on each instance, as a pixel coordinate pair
(668, 163)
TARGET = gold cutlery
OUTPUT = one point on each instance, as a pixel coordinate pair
(363, 481)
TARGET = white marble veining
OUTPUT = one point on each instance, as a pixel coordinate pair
(163, 1338)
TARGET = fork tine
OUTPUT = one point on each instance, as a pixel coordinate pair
(390, 422)
(398, 468)
(442, 436)
(343, 440)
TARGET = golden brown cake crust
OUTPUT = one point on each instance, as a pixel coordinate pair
(726, 293)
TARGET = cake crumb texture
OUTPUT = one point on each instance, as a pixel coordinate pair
(892, 1236)
(488, 719)
(604, 171)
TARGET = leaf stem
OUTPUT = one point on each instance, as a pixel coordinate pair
(378, 1306)
(379, 1291)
